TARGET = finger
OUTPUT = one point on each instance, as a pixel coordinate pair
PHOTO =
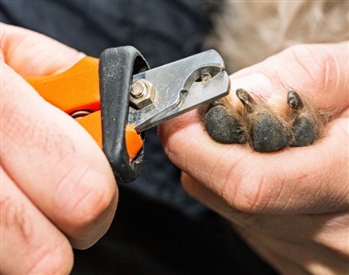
(55, 162)
(290, 227)
(28, 238)
(282, 239)
(296, 180)
(33, 54)
(245, 224)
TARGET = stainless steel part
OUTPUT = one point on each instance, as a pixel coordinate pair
(142, 94)
(180, 87)
(80, 114)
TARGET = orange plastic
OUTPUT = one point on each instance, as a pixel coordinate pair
(78, 89)
(92, 123)
(75, 89)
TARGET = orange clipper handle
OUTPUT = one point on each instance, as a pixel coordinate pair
(77, 89)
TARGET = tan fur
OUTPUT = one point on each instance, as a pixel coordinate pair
(246, 32)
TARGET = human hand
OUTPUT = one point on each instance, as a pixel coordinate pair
(57, 188)
(291, 206)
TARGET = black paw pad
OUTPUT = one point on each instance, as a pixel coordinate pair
(223, 126)
(304, 132)
(268, 133)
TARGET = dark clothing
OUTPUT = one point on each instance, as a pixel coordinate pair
(158, 228)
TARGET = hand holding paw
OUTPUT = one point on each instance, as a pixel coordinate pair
(292, 203)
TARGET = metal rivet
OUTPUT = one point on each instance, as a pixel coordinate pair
(205, 76)
(80, 114)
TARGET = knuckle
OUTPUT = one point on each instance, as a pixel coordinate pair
(50, 254)
(13, 217)
(242, 199)
(254, 196)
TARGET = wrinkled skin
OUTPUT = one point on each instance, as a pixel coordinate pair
(57, 188)
(291, 206)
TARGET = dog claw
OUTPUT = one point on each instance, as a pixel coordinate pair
(246, 99)
(294, 100)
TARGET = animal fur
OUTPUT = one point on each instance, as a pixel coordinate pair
(246, 32)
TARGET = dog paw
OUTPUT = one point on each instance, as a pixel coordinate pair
(265, 127)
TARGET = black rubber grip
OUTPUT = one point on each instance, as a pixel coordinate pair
(116, 69)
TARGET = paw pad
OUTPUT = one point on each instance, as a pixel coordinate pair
(223, 126)
(264, 127)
